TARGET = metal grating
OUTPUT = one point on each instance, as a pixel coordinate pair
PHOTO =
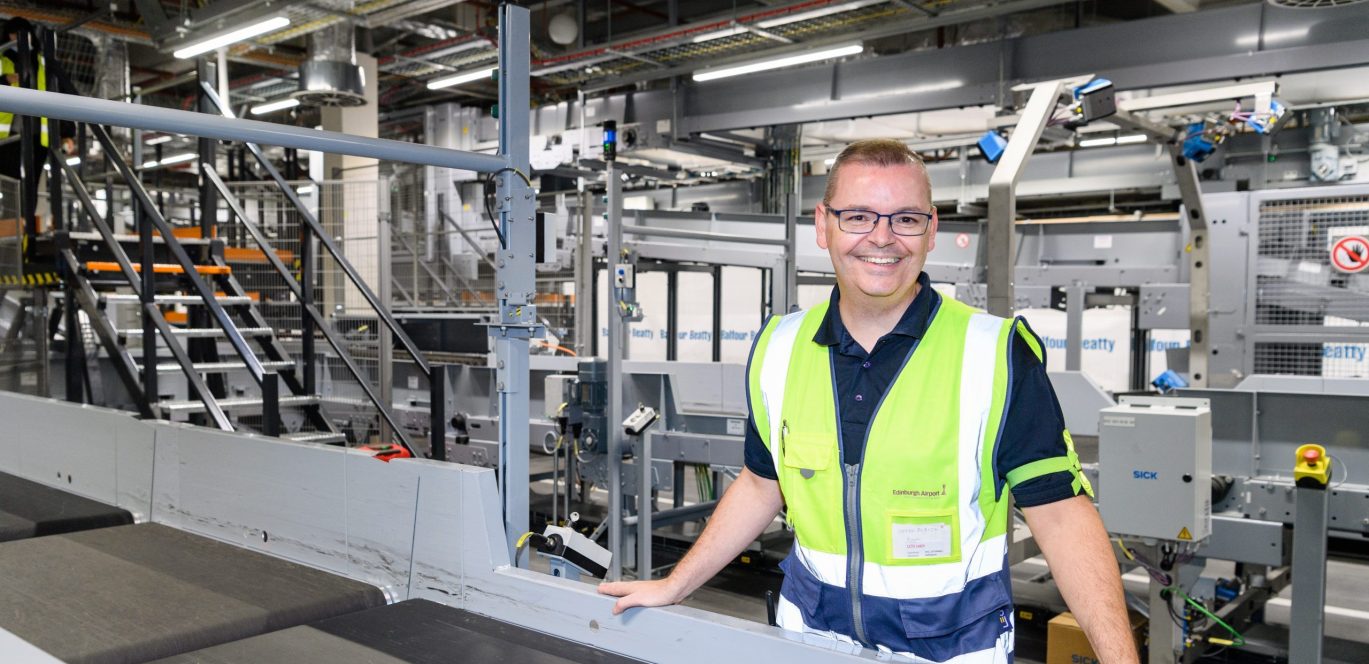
(1299, 291)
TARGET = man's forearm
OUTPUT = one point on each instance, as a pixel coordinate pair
(1071, 535)
(748, 506)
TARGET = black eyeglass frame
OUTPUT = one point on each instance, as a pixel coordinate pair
(927, 217)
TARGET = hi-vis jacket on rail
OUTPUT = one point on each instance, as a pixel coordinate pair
(905, 551)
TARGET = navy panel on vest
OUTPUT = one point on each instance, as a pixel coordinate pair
(937, 628)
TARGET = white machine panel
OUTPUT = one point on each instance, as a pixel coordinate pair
(1155, 468)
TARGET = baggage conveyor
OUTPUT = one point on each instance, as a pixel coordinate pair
(29, 509)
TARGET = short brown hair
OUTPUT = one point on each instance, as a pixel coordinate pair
(874, 152)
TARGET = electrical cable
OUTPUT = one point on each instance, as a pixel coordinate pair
(519, 545)
(1237, 639)
(489, 210)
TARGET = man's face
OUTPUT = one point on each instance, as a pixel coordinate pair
(878, 265)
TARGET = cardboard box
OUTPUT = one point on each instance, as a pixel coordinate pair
(1066, 643)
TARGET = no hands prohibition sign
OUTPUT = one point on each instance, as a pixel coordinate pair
(1350, 254)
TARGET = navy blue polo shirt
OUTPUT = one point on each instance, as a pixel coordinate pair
(1035, 425)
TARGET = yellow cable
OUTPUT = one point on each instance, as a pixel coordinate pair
(522, 540)
(1125, 550)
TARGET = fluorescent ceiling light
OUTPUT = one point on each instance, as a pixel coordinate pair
(176, 159)
(777, 63)
(718, 34)
(74, 161)
(1097, 142)
(158, 140)
(1134, 138)
(817, 13)
(150, 164)
(306, 189)
(273, 106)
(829, 161)
(479, 74)
(248, 32)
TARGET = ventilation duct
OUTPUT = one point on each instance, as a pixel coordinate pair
(330, 76)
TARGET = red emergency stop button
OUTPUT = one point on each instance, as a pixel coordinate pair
(1311, 455)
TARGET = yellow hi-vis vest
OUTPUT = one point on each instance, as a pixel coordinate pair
(7, 119)
(905, 551)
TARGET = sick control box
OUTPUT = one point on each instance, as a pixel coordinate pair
(1155, 468)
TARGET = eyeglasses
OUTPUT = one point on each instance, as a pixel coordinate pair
(901, 223)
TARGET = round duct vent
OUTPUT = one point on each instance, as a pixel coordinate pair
(1313, 4)
(331, 83)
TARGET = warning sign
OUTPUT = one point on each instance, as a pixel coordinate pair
(962, 240)
(1350, 254)
(1184, 535)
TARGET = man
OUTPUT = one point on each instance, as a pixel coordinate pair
(11, 68)
(893, 422)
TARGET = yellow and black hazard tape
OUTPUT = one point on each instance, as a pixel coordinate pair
(35, 279)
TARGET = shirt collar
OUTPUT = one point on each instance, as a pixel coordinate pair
(913, 323)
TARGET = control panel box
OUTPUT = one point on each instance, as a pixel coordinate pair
(1155, 468)
(556, 390)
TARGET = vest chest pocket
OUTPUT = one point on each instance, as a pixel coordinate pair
(808, 453)
(923, 537)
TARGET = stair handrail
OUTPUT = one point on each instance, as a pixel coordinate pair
(311, 221)
(320, 322)
(151, 213)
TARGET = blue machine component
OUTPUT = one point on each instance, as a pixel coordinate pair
(1169, 381)
(1263, 122)
(1092, 86)
(992, 144)
(1198, 146)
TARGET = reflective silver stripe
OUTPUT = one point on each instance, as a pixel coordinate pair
(774, 373)
(977, 367)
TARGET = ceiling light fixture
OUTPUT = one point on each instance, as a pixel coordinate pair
(817, 13)
(718, 34)
(1134, 138)
(158, 140)
(273, 106)
(176, 159)
(777, 63)
(233, 37)
(1097, 142)
(459, 79)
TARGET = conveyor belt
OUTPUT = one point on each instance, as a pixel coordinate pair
(30, 509)
(135, 593)
(412, 632)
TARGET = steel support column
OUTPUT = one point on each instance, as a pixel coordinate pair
(515, 284)
(613, 412)
(1308, 607)
(1001, 236)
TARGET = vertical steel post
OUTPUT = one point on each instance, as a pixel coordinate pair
(270, 407)
(384, 291)
(584, 278)
(613, 412)
(1199, 279)
(791, 251)
(1001, 236)
(645, 505)
(1074, 326)
(1164, 636)
(515, 284)
(1305, 643)
(437, 411)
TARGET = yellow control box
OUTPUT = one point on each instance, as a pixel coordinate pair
(1312, 467)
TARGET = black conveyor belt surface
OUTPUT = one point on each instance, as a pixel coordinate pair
(30, 509)
(135, 593)
(412, 632)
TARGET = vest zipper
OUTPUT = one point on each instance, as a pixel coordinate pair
(855, 549)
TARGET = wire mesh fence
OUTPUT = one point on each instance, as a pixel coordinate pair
(1306, 285)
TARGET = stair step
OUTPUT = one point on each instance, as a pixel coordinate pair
(235, 403)
(157, 268)
(205, 333)
(227, 300)
(94, 236)
(218, 367)
(316, 437)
